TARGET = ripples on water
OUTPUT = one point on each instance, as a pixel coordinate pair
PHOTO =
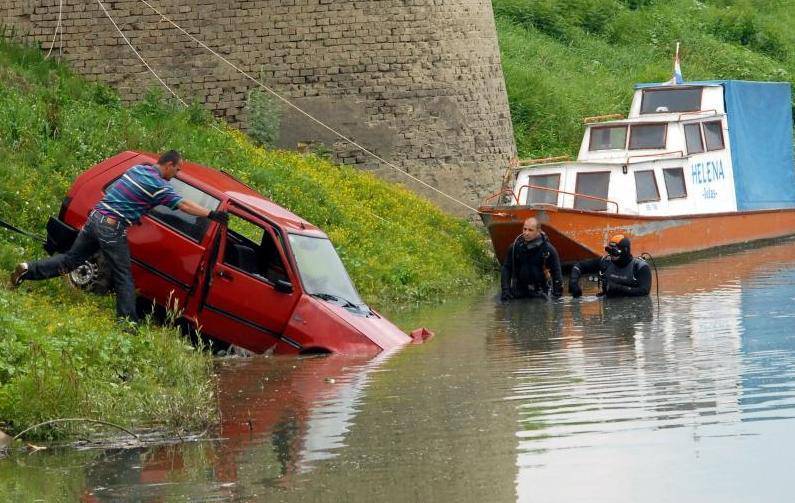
(627, 400)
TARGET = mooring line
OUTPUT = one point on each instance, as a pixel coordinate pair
(301, 111)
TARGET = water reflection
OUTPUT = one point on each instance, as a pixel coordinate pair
(688, 399)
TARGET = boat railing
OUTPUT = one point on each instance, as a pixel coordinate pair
(714, 111)
(518, 195)
(516, 164)
(500, 193)
(595, 118)
(680, 152)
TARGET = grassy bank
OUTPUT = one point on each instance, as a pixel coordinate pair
(61, 355)
(565, 60)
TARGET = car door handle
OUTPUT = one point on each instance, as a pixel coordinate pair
(224, 275)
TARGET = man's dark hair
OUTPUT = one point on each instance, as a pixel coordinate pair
(170, 156)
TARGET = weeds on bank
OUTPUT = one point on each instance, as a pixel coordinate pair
(62, 354)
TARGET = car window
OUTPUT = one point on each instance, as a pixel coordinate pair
(252, 249)
(190, 226)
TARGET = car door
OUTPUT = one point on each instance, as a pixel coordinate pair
(168, 247)
(251, 295)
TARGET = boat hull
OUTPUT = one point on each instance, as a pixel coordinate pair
(580, 235)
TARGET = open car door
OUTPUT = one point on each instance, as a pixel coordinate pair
(252, 291)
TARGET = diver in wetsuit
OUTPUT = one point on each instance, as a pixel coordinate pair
(523, 273)
(620, 274)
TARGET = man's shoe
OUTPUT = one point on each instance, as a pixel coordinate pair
(18, 276)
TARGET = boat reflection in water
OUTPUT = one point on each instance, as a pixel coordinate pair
(630, 395)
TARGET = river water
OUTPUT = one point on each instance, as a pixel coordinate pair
(576, 400)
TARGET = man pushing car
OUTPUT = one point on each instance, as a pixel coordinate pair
(138, 190)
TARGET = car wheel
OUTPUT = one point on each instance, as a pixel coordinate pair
(93, 275)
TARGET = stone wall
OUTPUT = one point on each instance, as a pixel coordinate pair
(419, 82)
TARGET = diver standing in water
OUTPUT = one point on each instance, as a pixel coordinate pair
(620, 274)
(523, 271)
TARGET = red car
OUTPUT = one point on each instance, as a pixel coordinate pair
(267, 280)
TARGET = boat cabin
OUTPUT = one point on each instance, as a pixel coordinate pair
(701, 147)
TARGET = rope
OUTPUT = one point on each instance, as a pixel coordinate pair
(13, 228)
(139, 56)
(57, 29)
(299, 110)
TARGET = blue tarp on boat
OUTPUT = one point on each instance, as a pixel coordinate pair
(760, 137)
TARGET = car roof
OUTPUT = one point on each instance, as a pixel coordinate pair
(240, 193)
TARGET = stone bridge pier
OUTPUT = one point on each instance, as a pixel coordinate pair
(418, 82)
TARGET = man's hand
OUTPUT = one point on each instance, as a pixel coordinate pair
(574, 289)
(219, 216)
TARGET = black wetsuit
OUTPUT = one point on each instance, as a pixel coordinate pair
(523, 269)
(626, 277)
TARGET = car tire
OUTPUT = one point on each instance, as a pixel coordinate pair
(93, 275)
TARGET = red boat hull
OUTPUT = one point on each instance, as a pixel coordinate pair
(580, 235)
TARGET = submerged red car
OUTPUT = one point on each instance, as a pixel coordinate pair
(269, 280)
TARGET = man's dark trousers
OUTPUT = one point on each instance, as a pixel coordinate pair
(99, 233)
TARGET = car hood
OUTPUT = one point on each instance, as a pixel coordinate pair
(374, 326)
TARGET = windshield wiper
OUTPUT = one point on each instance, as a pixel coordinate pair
(347, 303)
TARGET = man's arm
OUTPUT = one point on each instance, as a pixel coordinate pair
(584, 267)
(192, 208)
(553, 263)
(505, 274)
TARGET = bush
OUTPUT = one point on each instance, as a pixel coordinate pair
(263, 117)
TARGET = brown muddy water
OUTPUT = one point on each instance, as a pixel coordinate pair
(575, 400)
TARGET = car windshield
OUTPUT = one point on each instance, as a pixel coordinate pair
(321, 270)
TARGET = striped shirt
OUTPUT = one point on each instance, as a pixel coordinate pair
(138, 190)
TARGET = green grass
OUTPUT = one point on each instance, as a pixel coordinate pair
(62, 355)
(565, 60)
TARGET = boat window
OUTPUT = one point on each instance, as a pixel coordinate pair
(693, 138)
(190, 226)
(539, 196)
(251, 248)
(592, 184)
(713, 134)
(644, 136)
(657, 101)
(675, 183)
(321, 269)
(646, 186)
(608, 138)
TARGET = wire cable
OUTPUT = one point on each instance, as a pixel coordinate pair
(299, 110)
(57, 29)
(139, 55)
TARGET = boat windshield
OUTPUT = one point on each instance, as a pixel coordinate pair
(656, 101)
(322, 272)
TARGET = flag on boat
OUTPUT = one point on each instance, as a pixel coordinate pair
(677, 78)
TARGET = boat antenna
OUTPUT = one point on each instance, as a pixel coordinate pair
(648, 258)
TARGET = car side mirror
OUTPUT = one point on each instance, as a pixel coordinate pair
(283, 286)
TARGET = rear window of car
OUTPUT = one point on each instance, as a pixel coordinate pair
(190, 226)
